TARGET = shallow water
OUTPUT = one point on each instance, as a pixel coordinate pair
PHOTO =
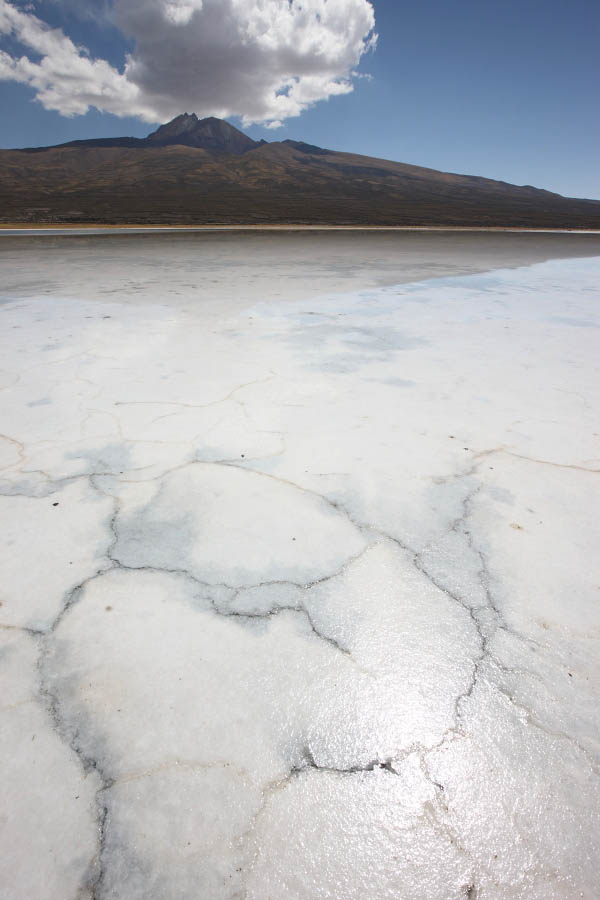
(299, 594)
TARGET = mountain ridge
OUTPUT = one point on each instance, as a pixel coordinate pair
(206, 171)
(211, 134)
(186, 130)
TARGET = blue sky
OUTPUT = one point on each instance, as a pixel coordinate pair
(499, 88)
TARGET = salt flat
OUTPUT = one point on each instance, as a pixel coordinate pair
(300, 590)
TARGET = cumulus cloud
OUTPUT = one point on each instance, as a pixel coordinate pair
(263, 60)
(64, 76)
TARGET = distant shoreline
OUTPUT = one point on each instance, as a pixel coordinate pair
(86, 229)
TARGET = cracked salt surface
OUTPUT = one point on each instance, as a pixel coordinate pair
(302, 608)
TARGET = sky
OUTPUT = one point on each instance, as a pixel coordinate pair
(508, 89)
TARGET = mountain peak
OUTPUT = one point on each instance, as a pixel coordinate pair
(215, 135)
(182, 124)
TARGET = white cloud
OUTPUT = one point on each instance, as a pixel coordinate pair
(179, 13)
(64, 77)
(264, 60)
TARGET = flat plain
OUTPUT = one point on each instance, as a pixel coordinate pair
(300, 595)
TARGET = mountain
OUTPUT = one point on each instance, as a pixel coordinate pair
(210, 134)
(214, 135)
(205, 171)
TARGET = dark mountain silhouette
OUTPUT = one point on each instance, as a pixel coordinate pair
(214, 135)
(211, 134)
(205, 171)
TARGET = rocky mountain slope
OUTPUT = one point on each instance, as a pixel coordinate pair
(193, 171)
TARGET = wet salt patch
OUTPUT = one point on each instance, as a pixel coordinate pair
(315, 607)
